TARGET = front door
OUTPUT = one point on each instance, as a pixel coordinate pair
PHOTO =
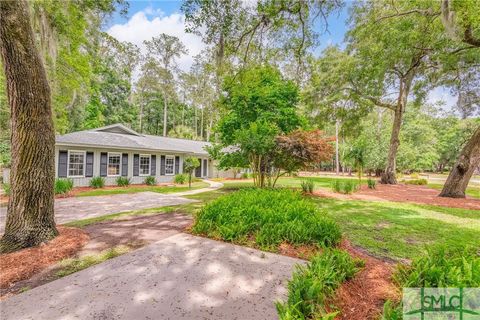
(198, 170)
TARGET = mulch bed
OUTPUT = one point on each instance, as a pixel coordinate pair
(404, 193)
(21, 265)
(363, 296)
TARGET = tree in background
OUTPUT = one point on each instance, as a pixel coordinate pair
(189, 166)
(30, 215)
(357, 155)
(182, 132)
(165, 50)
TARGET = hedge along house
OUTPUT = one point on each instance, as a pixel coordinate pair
(116, 150)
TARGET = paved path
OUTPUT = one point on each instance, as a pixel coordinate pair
(78, 208)
(181, 277)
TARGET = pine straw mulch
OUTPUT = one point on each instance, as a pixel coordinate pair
(404, 193)
(363, 296)
(25, 263)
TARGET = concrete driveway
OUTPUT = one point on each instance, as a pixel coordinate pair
(180, 277)
(78, 208)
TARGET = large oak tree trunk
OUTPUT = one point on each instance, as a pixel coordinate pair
(30, 219)
(463, 169)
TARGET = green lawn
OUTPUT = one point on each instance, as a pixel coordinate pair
(134, 188)
(293, 182)
(400, 230)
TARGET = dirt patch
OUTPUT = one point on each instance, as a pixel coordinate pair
(302, 252)
(23, 264)
(404, 193)
(363, 296)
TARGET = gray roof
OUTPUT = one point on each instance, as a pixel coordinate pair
(120, 137)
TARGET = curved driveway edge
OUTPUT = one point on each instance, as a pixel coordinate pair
(181, 277)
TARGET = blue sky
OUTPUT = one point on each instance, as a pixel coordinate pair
(146, 19)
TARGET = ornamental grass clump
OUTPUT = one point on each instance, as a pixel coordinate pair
(150, 181)
(314, 283)
(307, 186)
(63, 186)
(418, 182)
(267, 217)
(97, 182)
(122, 181)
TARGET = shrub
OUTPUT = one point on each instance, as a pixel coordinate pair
(268, 217)
(97, 182)
(150, 181)
(441, 267)
(122, 181)
(245, 175)
(6, 188)
(372, 184)
(418, 182)
(180, 178)
(313, 284)
(414, 175)
(63, 186)
(346, 186)
(307, 186)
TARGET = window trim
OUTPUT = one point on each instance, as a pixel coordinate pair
(84, 163)
(108, 163)
(173, 166)
(149, 165)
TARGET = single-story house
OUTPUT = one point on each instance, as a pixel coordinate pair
(116, 150)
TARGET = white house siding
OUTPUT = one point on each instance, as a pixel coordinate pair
(111, 180)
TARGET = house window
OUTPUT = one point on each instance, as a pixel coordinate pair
(144, 164)
(169, 165)
(113, 168)
(76, 163)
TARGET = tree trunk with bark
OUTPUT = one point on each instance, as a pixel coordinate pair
(165, 105)
(30, 213)
(463, 169)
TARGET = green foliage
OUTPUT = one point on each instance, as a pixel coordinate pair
(6, 188)
(418, 182)
(372, 184)
(150, 181)
(189, 166)
(63, 186)
(122, 181)
(268, 216)
(345, 186)
(70, 266)
(97, 182)
(180, 178)
(307, 186)
(313, 284)
(442, 267)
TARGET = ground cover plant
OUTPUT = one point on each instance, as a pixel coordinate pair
(441, 267)
(345, 186)
(97, 182)
(63, 186)
(418, 182)
(372, 184)
(267, 218)
(122, 181)
(150, 181)
(313, 284)
(307, 186)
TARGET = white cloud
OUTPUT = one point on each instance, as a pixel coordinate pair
(146, 24)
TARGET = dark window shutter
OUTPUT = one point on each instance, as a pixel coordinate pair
(162, 165)
(198, 170)
(124, 164)
(153, 165)
(136, 162)
(62, 163)
(177, 165)
(103, 164)
(89, 166)
(205, 167)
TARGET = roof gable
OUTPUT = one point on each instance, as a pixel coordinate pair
(117, 128)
